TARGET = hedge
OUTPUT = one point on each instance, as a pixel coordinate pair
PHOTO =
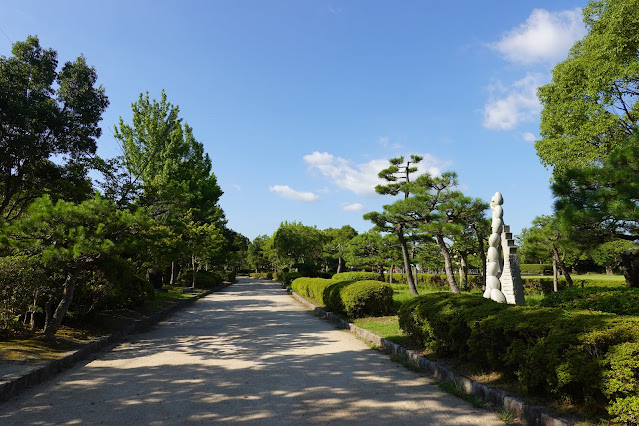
(262, 275)
(436, 280)
(357, 276)
(616, 300)
(536, 268)
(353, 298)
(581, 356)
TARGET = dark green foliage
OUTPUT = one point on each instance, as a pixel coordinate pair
(616, 300)
(536, 268)
(228, 276)
(111, 284)
(288, 277)
(357, 276)
(575, 355)
(433, 280)
(262, 275)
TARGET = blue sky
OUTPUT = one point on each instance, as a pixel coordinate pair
(300, 103)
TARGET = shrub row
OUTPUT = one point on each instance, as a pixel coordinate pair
(536, 268)
(436, 280)
(262, 275)
(581, 356)
(616, 300)
(353, 298)
(357, 276)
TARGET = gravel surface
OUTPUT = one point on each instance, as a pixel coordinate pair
(249, 354)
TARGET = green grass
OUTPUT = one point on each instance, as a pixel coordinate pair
(386, 327)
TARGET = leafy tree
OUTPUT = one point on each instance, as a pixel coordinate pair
(367, 250)
(599, 203)
(334, 245)
(298, 243)
(170, 175)
(532, 248)
(610, 253)
(257, 255)
(68, 238)
(591, 103)
(45, 113)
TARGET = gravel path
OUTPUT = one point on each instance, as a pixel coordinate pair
(249, 354)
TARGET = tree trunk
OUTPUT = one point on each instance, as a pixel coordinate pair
(67, 297)
(448, 264)
(609, 270)
(32, 319)
(482, 257)
(407, 268)
(174, 272)
(380, 270)
(194, 271)
(555, 277)
(390, 274)
(340, 263)
(463, 273)
(561, 265)
(630, 268)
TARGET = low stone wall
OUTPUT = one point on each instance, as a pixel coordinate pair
(13, 384)
(533, 415)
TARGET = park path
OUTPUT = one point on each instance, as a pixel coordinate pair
(249, 354)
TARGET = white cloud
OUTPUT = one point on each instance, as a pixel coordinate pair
(544, 37)
(362, 178)
(354, 207)
(513, 105)
(237, 187)
(529, 137)
(287, 192)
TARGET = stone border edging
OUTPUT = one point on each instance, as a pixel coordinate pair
(14, 384)
(533, 415)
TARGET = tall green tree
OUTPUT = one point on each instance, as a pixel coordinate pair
(257, 255)
(591, 103)
(46, 113)
(334, 246)
(599, 203)
(393, 219)
(298, 243)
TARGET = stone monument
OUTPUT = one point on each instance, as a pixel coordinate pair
(503, 277)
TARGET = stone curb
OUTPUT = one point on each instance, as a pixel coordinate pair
(14, 384)
(532, 415)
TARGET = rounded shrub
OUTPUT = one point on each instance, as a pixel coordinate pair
(366, 298)
(311, 288)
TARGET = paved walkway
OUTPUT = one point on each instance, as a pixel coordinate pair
(249, 354)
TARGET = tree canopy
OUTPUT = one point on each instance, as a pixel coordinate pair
(46, 113)
(591, 103)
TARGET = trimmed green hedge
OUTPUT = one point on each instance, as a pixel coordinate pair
(262, 275)
(582, 356)
(616, 300)
(536, 268)
(288, 277)
(353, 298)
(436, 280)
(358, 276)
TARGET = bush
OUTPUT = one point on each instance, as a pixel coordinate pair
(228, 276)
(311, 288)
(353, 298)
(357, 276)
(366, 298)
(616, 300)
(536, 268)
(580, 356)
(288, 277)
(203, 279)
(262, 275)
(436, 280)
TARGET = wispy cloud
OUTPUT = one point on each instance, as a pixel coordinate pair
(361, 179)
(529, 137)
(544, 37)
(237, 187)
(353, 207)
(509, 106)
(289, 193)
